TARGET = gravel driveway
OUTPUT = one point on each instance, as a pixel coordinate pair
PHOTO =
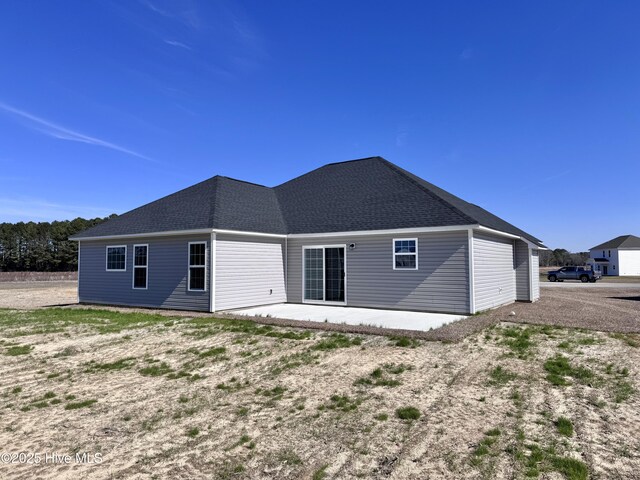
(577, 284)
(614, 308)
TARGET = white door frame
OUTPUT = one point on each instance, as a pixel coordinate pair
(323, 247)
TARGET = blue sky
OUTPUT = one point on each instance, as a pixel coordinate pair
(529, 109)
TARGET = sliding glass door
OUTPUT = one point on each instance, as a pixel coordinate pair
(324, 274)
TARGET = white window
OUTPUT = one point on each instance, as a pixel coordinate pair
(197, 266)
(405, 253)
(140, 264)
(117, 258)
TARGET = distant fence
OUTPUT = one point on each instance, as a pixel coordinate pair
(37, 276)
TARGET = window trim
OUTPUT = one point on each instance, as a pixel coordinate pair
(189, 266)
(134, 266)
(393, 251)
(106, 259)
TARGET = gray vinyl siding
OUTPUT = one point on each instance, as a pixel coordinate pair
(249, 271)
(535, 274)
(494, 271)
(440, 284)
(522, 271)
(167, 275)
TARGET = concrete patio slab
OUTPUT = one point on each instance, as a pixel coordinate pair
(399, 319)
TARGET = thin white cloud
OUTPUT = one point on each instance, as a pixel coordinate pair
(57, 131)
(156, 9)
(38, 210)
(175, 43)
(188, 15)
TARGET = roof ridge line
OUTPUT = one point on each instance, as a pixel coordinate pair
(397, 170)
(243, 181)
(327, 165)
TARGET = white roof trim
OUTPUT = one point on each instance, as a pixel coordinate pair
(510, 235)
(170, 233)
(396, 231)
(497, 232)
(254, 234)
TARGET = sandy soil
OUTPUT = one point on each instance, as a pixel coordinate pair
(263, 408)
(37, 294)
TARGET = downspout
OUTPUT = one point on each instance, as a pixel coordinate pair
(530, 253)
(286, 271)
(212, 274)
(78, 288)
(472, 289)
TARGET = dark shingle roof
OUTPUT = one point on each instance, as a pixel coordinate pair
(478, 214)
(365, 194)
(360, 195)
(218, 202)
(623, 241)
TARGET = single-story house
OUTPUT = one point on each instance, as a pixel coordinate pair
(362, 233)
(619, 256)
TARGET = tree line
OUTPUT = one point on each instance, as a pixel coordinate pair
(42, 246)
(561, 257)
(45, 247)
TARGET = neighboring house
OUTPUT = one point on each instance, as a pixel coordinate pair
(620, 256)
(362, 233)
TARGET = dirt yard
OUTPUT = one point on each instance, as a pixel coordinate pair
(163, 397)
(25, 295)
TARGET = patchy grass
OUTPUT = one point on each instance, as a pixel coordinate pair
(485, 446)
(289, 457)
(559, 367)
(500, 376)
(156, 370)
(207, 326)
(321, 473)
(519, 340)
(51, 320)
(15, 350)
(121, 364)
(408, 413)
(622, 391)
(571, 468)
(294, 360)
(564, 426)
(77, 405)
(212, 352)
(628, 338)
(341, 402)
(333, 341)
(275, 393)
(380, 376)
